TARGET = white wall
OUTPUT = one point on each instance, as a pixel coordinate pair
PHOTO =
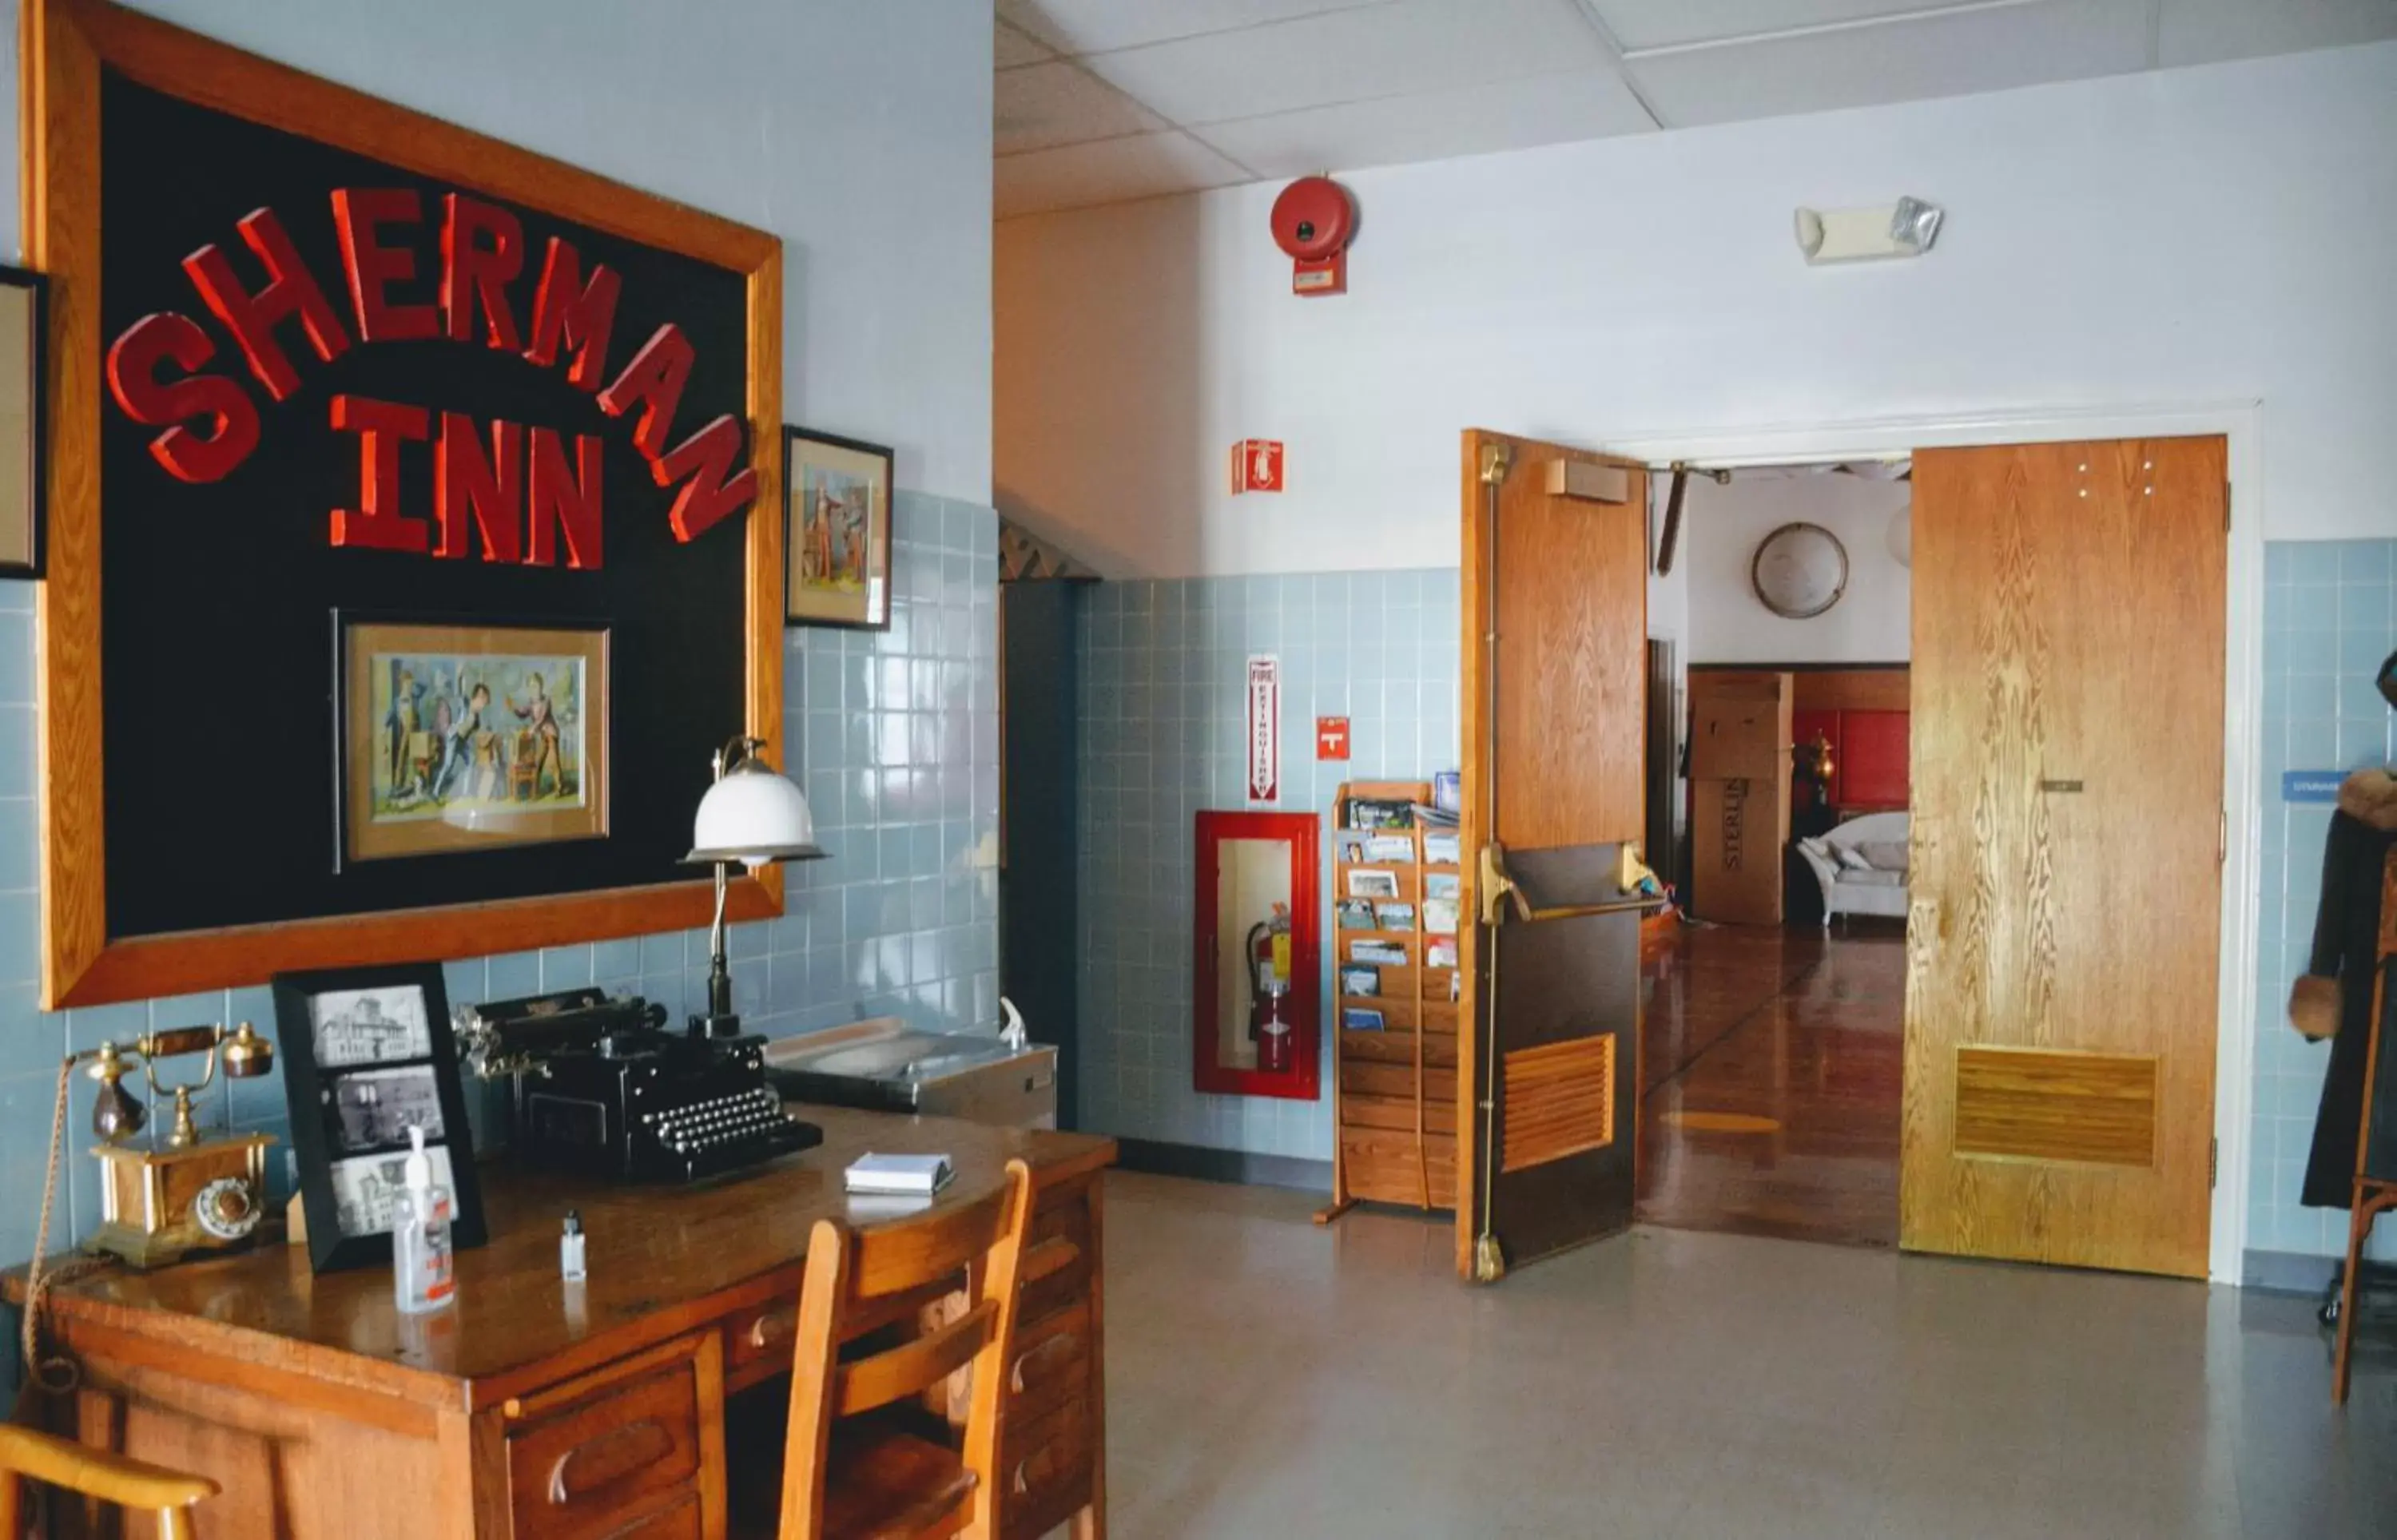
(1723, 525)
(859, 133)
(2197, 236)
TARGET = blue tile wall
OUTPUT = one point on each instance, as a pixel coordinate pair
(894, 736)
(2327, 625)
(1163, 724)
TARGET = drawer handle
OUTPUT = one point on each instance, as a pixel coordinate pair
(1051, 1257)
(617, 1453)
(1063, 1344)
(1045, 1458)
(772, 1328)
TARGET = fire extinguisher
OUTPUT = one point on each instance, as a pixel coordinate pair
(1269, 989)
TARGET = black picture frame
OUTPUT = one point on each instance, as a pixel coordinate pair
(801, 606)
(344, 1146)
(30, 564)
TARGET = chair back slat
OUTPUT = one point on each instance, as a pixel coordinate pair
(890, 1258)
(914, 1367)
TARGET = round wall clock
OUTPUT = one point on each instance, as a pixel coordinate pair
(1800, 571)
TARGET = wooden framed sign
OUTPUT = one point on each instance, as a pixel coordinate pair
(361, 424)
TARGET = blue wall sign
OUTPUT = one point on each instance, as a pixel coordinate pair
(2311, 786)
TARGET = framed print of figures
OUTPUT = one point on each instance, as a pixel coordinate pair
(837, 517)
(470, 737)
(368, 1054)
(22, 298)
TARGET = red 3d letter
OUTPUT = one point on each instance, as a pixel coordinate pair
(253, 317)
(565, 308)
(371, 265)
(654, 379)
(492, 484)
(377, 524)
(482, 251)
(133, 360)
(564, 499)
(708, 495)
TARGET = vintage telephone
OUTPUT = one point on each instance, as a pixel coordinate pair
(178, 1190)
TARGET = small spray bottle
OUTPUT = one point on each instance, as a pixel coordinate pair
(570, 1249)
(421, 1279)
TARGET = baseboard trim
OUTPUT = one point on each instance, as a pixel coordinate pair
(1243, 1167)
(2286, 1273)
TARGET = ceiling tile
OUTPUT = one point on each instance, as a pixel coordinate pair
(1980, 50)
(1011, 47)
(1097, 26)
(1041, 106)
(1662, 23)
(1396, 49)
(1472, 120)
(2206, 32)
(1144, 166)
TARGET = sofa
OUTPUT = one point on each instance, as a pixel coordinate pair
(1861, 866)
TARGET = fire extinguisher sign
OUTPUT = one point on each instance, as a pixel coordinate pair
(1265, 728)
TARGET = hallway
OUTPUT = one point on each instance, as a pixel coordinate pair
(1772, 1081)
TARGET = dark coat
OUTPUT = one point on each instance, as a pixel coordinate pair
(2347, 937)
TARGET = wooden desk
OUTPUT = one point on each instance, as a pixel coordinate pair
(522, 1412)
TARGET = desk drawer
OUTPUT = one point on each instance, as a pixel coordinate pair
(616, 1452)
(1045, 1469)
(758, 1342)
(1051, 1362)
(1061, 1230)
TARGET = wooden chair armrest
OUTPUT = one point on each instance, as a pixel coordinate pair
(96, 1473)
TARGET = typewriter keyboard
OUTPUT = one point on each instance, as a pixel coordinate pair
(714, 1134)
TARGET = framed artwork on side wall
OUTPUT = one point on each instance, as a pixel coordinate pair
(836, 514)
(23, 299)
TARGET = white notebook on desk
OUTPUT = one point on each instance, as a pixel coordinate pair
(900, 1176)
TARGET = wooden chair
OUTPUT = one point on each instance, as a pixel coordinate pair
(26, 1456)
(851, 1467)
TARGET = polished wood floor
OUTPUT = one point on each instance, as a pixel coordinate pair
(1770, 1063)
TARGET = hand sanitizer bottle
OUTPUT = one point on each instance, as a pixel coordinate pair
(420, 1241)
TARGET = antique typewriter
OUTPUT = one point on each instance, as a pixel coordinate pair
(602, 1089)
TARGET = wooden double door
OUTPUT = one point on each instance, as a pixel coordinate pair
(2065, 881)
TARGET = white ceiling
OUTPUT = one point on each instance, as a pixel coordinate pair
(1101, 101)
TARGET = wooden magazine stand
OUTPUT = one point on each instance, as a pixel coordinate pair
(1394, 1091)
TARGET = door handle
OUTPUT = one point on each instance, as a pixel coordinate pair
(1498, 891)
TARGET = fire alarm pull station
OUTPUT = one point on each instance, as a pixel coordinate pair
(1256, 466)
(1314, 220)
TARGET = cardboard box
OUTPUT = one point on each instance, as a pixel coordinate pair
(1737, 830)
(1740, 725)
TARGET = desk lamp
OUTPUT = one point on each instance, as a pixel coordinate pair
(754, 816)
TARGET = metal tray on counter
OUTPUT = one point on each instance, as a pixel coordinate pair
(886, 1066)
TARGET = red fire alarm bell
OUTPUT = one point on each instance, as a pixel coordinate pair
(1313, 220)
(1256, 466)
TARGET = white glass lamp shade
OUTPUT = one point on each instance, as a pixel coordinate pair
(754, 815)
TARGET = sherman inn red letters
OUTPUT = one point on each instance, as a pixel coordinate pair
(520, 494)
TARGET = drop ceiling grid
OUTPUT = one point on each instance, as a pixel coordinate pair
(1125, 99)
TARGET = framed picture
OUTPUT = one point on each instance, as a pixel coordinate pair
(368, 1052)
(25, 298)
(470, 736)
(836, 525)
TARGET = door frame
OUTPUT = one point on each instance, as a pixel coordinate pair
(2240, 424)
